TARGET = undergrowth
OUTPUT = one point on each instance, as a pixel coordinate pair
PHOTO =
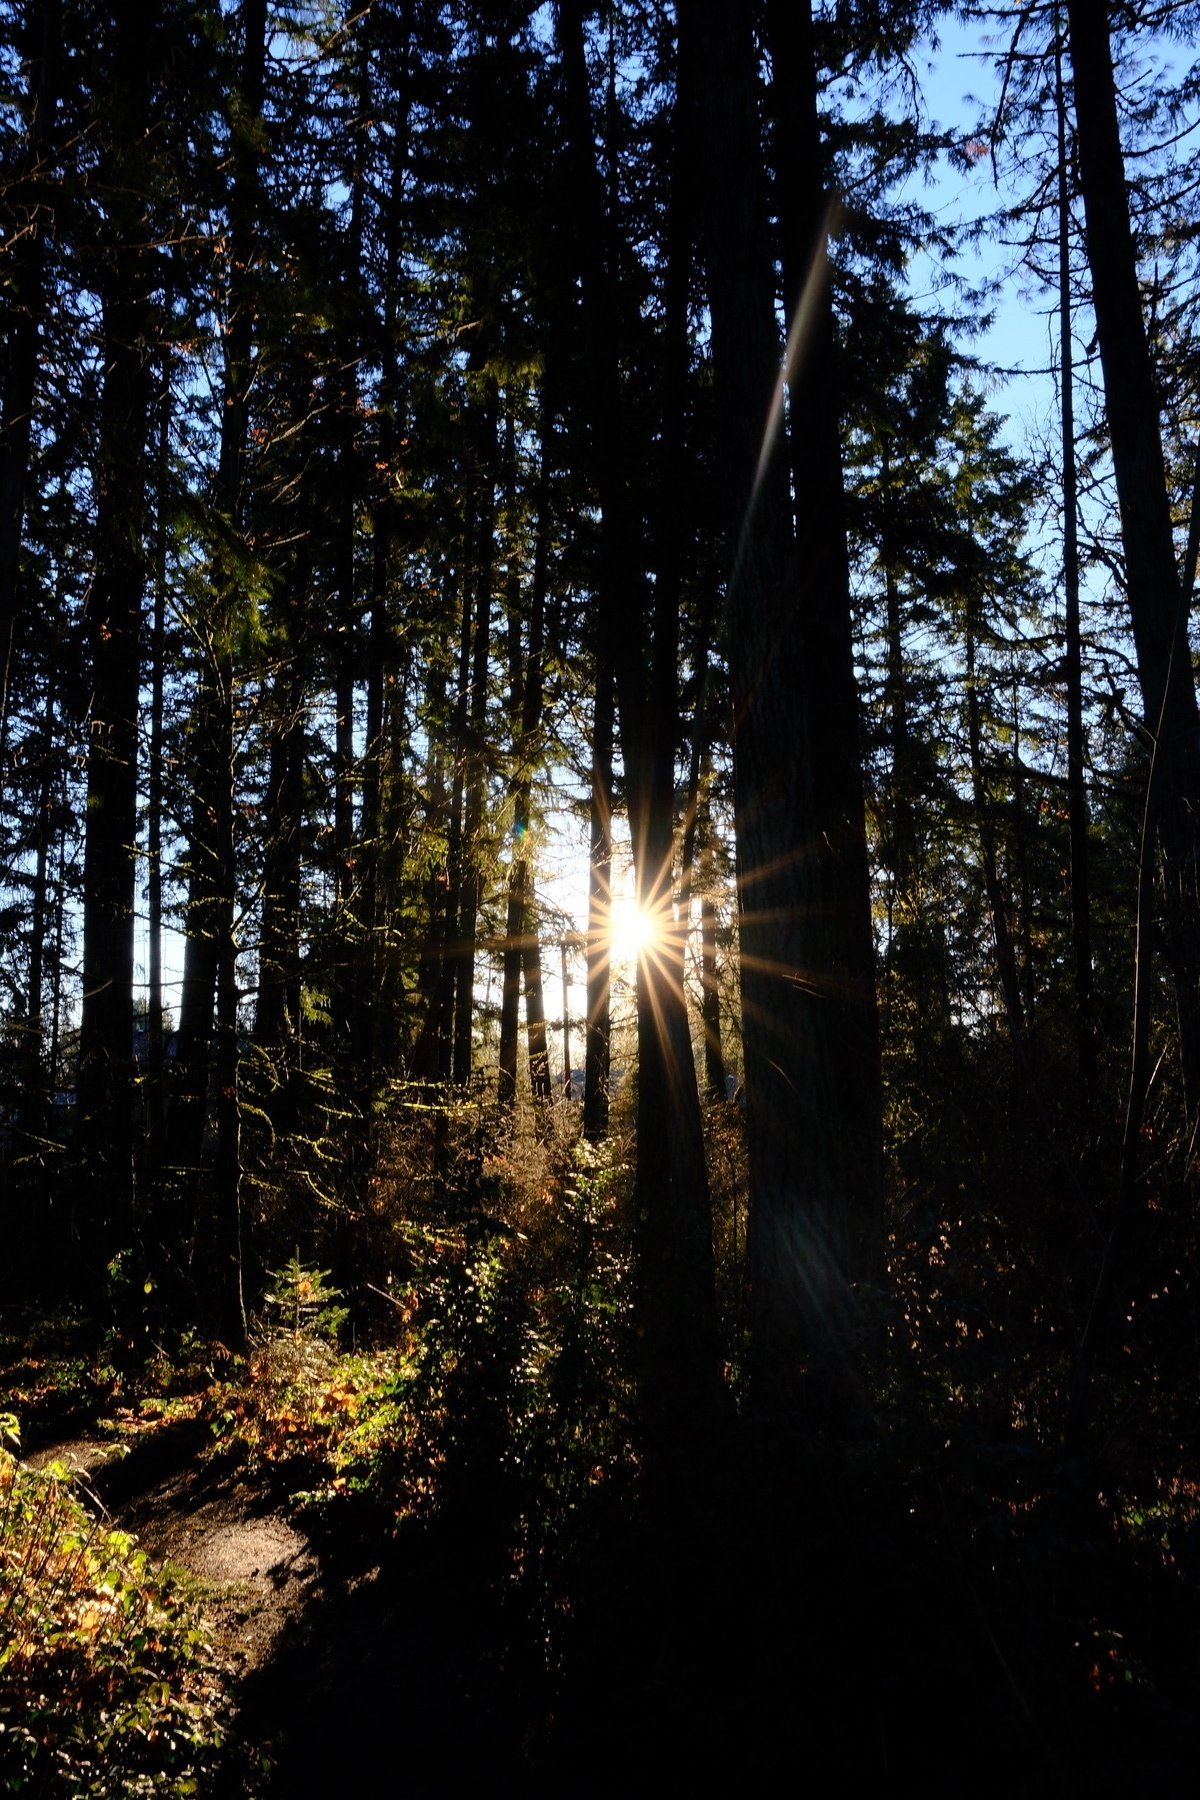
(501, 1387)
(108, 1683)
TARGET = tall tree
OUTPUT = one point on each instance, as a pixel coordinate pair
(675, 1256)
(812, 1217)
(1157, 606)
(208, 1042)
(1081, 925)
(126, 53)
(30, 218)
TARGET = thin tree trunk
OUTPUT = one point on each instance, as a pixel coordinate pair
(475, 773)
(348, 929)
(433, 1057)
(510, 991)
(599, 933)
(566, 1019)
(279, 949)
(1006, 956)
(114, 615)
(25, 284)
(1081, 924)
(510, 998)
(376, 1000)
(244, 203)
(526, 684)
(154, 800)
(710, 992)
(35, 1089)
(439, 897)
(535, 1006)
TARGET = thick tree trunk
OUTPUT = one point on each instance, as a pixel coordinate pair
(1157, 607)
(812, 1218)
(827, 622)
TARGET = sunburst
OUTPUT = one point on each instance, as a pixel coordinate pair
(633, 931)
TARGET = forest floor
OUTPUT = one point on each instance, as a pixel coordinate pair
(346, 1676)
(816, 1630)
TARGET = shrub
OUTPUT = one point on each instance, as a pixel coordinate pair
(108, 1684)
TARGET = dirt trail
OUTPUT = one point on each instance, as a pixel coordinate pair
(349, 1678)
(255, 1572)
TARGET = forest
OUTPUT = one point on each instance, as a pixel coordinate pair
(599, 896)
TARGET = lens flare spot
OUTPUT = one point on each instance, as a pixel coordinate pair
(633, 930)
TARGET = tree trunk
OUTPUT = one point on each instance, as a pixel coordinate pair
(35, 1090)
(840, 834)
(25, 284)
(215, 776)
(376, 998)
(811, 1223)
(276, 1016)
(475, 772)
(154, 796)
(114, 616)
(599, 933)
(566, 1018)
(1157, 606)
(1081, 922)
(1006, 956)
(535, 1006)
(434, 1050)
(678, 1307)
(710, 992)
